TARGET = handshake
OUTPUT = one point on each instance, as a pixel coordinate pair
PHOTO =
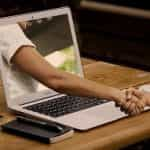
(133, 101)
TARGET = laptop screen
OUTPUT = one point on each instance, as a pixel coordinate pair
(53, 39)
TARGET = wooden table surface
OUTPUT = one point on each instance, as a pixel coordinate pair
(109, 137)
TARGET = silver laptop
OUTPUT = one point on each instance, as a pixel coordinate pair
(53, 34)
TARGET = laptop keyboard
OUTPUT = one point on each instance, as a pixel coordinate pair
(64, 105)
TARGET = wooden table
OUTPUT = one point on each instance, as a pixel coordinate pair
(109, 137)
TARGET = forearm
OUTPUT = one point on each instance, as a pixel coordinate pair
(28, 60)
(75, 85)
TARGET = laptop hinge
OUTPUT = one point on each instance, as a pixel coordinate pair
(42, 98)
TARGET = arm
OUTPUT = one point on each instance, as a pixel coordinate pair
(30, 61)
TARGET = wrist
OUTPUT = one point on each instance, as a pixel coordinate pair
(118, 96)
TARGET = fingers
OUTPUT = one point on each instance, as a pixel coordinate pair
(125, 108)
(138, 100)
(137, 105)
(141, 105)
(132, 109)
(129, 93)
(133, 106)
(138, 93)
(133, 103)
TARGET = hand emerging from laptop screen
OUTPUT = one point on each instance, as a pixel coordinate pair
(135, 101)
(29, 58)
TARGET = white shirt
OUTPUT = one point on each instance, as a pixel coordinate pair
(11, 39)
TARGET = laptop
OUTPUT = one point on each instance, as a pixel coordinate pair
(53, 33)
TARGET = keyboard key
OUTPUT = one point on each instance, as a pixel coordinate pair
(64, 105)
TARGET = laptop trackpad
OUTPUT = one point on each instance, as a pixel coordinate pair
(93, 117)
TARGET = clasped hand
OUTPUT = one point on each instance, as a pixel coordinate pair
(134, 101)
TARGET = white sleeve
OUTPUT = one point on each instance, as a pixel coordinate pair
(11, 39)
